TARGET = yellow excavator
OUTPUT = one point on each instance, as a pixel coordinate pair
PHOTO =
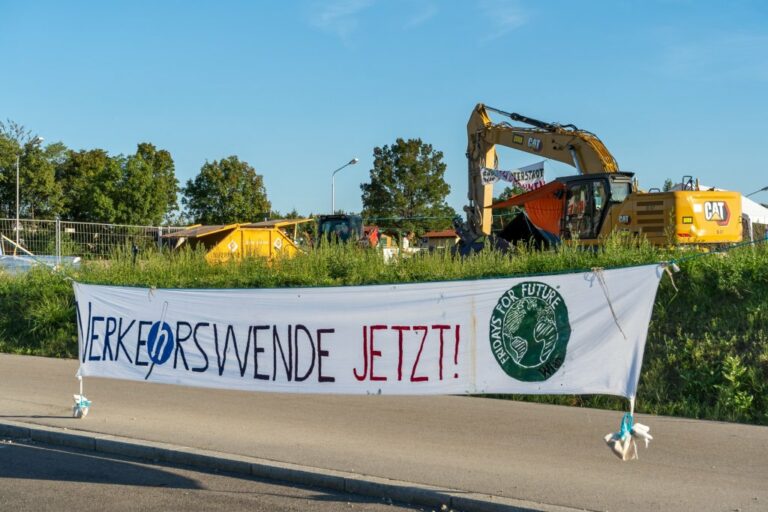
(589, 206)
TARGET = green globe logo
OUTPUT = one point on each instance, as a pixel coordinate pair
(529, 331)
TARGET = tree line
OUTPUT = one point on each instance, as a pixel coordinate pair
(88, 185)
(406, 191)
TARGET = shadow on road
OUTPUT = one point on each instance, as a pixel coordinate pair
(23, 464)
(39, 462)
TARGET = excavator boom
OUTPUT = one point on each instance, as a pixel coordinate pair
(564, 143)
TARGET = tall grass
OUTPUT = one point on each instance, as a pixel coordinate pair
(707, 354)
(344, 265)
(707, 350)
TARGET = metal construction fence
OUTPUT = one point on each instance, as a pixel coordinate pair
(83, 239)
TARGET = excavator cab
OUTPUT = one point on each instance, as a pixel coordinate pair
(588, 200)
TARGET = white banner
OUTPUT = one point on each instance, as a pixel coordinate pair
(527, 178)
(565, 334)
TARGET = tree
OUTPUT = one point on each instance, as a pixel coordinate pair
(508, 192)
(90, 179)
(40, 193)
(86, 185)
(293, 214)
(226, 191)
(146, 192)
(407, 187)
(135, 189)
(9, 149)
(163, 174)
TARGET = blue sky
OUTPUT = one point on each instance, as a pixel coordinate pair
(296, 89)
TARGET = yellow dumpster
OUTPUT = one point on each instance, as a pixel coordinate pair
(267, 239)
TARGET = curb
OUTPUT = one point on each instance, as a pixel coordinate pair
(404, 492)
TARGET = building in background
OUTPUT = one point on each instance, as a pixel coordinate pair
(439, 240)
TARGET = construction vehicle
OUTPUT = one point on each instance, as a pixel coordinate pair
(346, 228)
(589, 206)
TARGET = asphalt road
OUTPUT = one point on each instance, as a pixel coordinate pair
(543, 454)
(43, 478)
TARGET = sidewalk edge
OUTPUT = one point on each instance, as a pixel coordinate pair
(365, 485)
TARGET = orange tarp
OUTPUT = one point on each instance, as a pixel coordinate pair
(543, 207)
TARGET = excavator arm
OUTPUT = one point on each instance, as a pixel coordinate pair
(564, 143)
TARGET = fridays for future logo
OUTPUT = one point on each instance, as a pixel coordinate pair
(529, 331)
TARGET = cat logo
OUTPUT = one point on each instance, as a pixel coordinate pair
(534, 143)
(717, 211)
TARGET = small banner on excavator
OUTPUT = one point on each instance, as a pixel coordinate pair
(527, 178)
(565, 334)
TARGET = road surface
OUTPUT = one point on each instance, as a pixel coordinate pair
(43, 478)
(546, 455)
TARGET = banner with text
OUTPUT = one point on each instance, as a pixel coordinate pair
(527, 178)
(572, 333)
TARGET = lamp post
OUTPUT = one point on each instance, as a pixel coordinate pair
(333, 183)
(34, 142)
(757, 191)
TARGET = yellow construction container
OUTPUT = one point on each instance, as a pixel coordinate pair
(268, 239)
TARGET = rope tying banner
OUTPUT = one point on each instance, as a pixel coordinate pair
(598, 272)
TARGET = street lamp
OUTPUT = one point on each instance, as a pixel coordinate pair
(756, 191)
(333, 183)
(34, 142)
